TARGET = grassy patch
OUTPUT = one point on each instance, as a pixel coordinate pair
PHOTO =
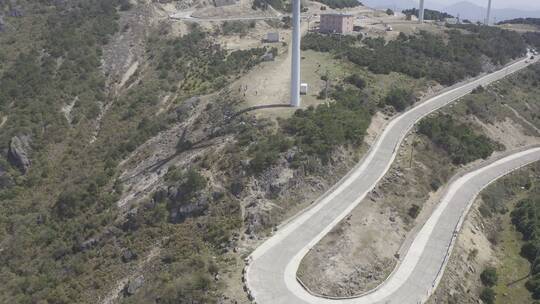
(512, 268)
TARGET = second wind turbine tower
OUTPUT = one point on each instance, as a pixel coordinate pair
(295, 66)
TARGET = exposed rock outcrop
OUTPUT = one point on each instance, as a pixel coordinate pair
(133, 285)
(19, 152)
(179, 207)
(196, 207)
(86, 245)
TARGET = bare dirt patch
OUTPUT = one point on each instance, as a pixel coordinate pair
(364, 248)
(269, 82)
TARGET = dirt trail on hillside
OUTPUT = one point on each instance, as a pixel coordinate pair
(3, 121)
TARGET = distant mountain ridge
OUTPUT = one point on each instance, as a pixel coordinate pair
(465, 9)
(468, 10)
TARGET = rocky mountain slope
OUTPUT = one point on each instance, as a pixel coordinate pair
(126, 173)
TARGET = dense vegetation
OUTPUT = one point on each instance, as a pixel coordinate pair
(509, 192)
(264, 4)
(461, 143)
(315, 132)
(76, 35)
(526, 218)
(487, 295)
(428, 14)
(45, 256)
(533, 21)
(533, 39)
(426, 55)
(319, 130)
(64, 237)
(267, 151)
(489, 277)
(341, 3)
(236, 27)
(400, 98)
(356, 80)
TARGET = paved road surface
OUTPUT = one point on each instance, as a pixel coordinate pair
(187, 16)
(271, 275)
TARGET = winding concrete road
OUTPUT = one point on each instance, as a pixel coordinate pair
(187, 16)
(271, 273)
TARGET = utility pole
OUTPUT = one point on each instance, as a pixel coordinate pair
(295, 66)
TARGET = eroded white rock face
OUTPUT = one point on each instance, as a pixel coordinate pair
(19, 152)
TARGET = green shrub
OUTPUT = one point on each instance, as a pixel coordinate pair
(264, 4)
(533, 285)
(487, 295)
(400, 98)
(357, 81)
(202, 65)
(532, 21)
(435, 184)
(267, 151)
(318, 131)
(479, 90)
(235, 27)
(461, 143)
(489, 277)
(426, 55)
(525, 218)
(428, 14)
(71, 202)
(485, 211)
(341, 3)
(414, 211)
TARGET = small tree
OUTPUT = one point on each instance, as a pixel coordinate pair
(356, 80)
(399, 98)
(489, 277)
(487, 295)
(414, 211)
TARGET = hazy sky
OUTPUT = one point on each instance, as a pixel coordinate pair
(518, 4)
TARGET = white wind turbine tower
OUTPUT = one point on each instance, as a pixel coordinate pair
(421, 12)
(295, 66)
(488, 17)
